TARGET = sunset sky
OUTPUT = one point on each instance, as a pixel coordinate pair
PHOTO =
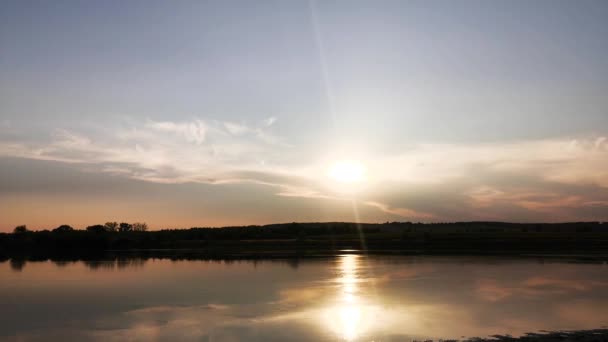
(213, 113)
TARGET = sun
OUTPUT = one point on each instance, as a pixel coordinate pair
(347, 171)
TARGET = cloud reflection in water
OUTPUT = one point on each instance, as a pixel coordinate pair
(350, 298)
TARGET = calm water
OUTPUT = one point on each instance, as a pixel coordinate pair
(344, 298)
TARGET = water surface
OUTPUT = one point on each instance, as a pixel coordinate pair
(350, 297)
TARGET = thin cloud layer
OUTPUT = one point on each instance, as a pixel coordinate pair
(192, 131)
(196, 151)
(540, 180)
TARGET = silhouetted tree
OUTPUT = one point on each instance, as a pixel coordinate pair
(302, 235)
(64, 228)
(20, 229)
(97, 229)
(111, 226)
(17, 264)
(125, 227)
(139, 227)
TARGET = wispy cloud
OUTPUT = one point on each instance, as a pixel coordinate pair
(526, 180)
(235, 128)
(401, 212)
(196, 150)
(547, 180)
(269, 121)
(562, 160)
(193, 131)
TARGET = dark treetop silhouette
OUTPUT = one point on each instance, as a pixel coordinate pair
(293, 239)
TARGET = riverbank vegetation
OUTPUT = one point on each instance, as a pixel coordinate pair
(584, 238)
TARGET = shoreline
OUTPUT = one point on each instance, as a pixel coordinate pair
(235, 254)
(586, 240)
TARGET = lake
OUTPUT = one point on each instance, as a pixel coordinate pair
(348, 297)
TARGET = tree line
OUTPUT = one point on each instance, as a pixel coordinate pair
(97, 228)
(314, 237)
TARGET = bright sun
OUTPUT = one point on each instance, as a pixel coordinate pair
(347, 171)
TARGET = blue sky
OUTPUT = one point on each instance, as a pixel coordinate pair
(456, 110)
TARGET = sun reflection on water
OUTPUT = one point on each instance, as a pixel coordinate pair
(350, 314)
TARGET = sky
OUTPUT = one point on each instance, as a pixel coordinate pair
(214, 113)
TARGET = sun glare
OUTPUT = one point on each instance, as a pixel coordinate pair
(347, 171)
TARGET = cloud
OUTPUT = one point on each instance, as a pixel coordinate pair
(402, 212)
(158, 151)
(535, 286)
(536, 180)
(542, 180)
(260, 131)
(193, 131)
(235, 128)
(269, 121)
(563, 160)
